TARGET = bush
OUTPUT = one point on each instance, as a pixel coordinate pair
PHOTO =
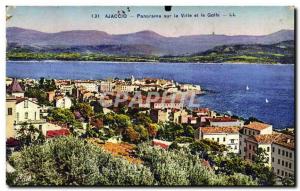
(71, 161)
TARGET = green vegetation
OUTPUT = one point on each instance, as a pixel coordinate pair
(282, 52)
(39, 91)
(70, 161)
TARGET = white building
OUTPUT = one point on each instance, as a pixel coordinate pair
(90, 86)
(28, 111)
(106, 86)
(228, 136)
(254, 128)
(283, 156)
(63, 102)
(264, 142)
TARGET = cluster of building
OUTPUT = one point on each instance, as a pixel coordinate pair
(246, 139)
(21, 109)
(241, 139)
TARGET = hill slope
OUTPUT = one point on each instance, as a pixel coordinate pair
(139, 43)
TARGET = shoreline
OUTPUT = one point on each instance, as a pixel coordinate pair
(148, 62)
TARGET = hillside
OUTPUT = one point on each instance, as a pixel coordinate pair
(146, 43)
(282, 52)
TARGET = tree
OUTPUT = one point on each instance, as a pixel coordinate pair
(261, 156)
(61, 115)
(131, 135)
(142, 131)
(152, 130)
(288, 181)
(189, 131)
(85, 110)
(69, 161)
(28, 134)
(97, 107)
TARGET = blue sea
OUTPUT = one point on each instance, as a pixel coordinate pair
(227, 83)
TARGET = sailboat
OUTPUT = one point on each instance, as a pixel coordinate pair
(247, 88)
(267, 101)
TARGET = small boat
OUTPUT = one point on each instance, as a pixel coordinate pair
(247, 88)
(267, 101)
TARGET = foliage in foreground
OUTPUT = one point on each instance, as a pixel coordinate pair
(71, 161)
(180, 167)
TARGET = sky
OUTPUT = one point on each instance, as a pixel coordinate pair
(247, 20)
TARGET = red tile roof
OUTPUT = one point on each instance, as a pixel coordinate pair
(162, 144)
(257, 126)
(221, 119)
(264, 139)
(281, 139)
(287, 141)
(229, 129)
(56, 133)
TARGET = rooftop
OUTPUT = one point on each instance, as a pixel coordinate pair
(285, 140)
(229, 129)
(221, 119)
(257, 126)
(15, 87)
(281, 139)
(264, 139)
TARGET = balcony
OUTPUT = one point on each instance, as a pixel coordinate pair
(30, 122)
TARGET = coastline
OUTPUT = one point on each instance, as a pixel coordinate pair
(148, 62)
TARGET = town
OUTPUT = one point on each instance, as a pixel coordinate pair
(117, 111)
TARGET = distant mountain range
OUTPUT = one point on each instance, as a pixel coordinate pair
(132, 44)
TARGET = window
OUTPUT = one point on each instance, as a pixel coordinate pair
(26, 104)
(232, 140)
(282, 163)
(282, 173)
(286, 164)
(268, 149)
(290, 155)
(279, 151)
(272, 159)
(278, 161)
(218, 139)
(287, 154)
(249, 155)
(278, 171)
(273, 149)
(26, 115)
(290, 165)
(40, 127)
(224, 139)
(283, 153)
(285, 173)
(213, 139)
(9, 111)
(249, 147)
(34, 115)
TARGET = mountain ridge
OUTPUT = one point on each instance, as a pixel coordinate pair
(160, 45)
